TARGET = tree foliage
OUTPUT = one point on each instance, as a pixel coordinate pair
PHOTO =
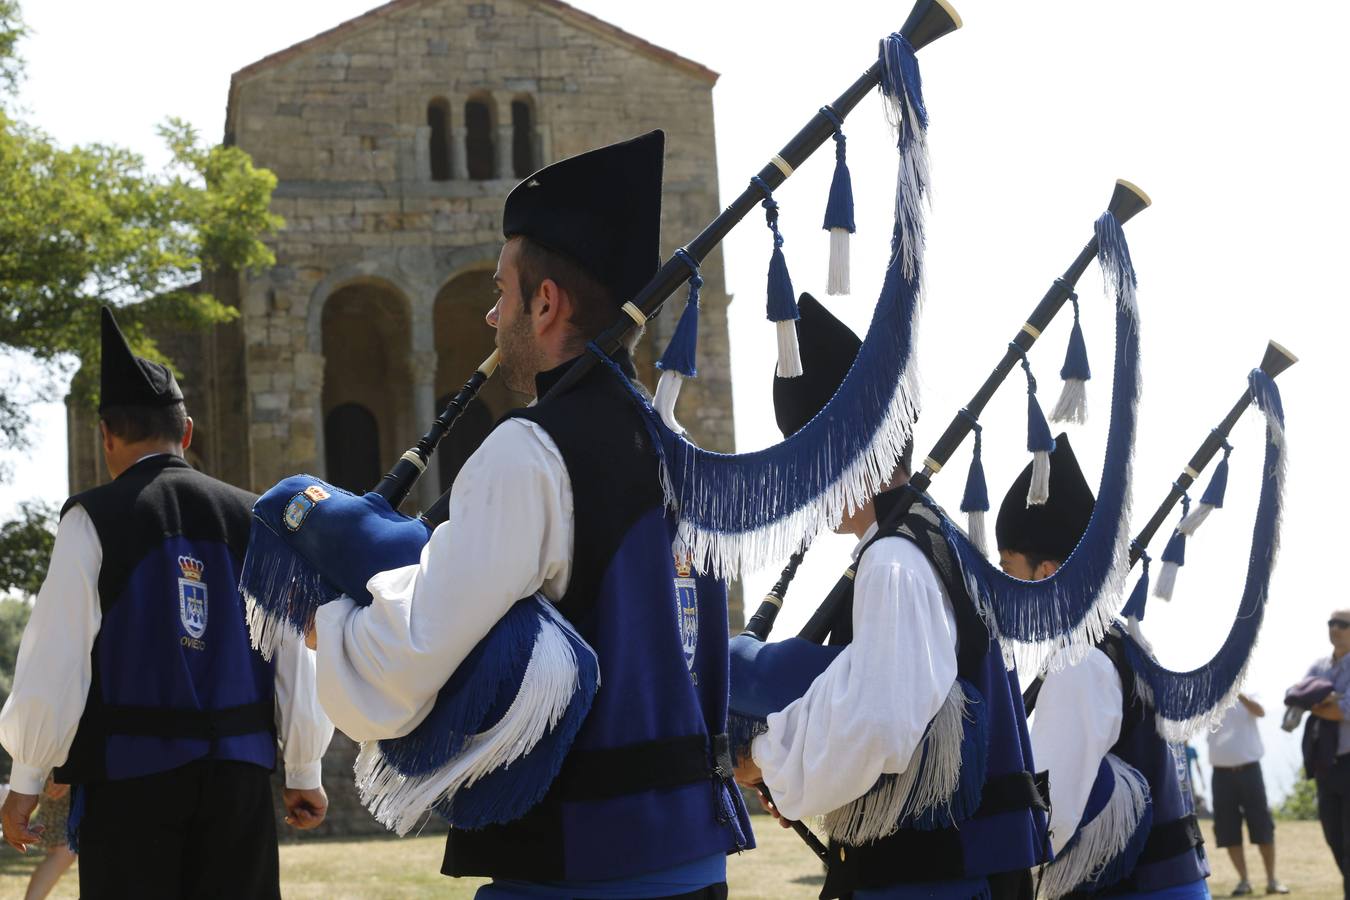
(85, 226)
(1302, 800)
(25, 547)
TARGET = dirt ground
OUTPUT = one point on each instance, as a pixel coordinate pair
(781, 869)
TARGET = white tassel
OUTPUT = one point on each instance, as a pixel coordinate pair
(838, 280)
(546, 689)
(1039, 491)
(667, 392)
(917, 789)
(976, 531)
(1166, 582)
(1194, 519)
(1105, 837)
(1072, 404)
(789, 355)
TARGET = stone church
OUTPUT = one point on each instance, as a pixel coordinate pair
(395, 138)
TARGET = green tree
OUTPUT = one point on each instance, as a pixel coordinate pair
(87, 226)
(1302, 800)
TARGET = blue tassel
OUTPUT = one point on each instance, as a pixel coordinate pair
(975, 500)
(782, 299)
(1134, 607)
(1212, 499)
(1040, 442)
(680, 359)
(1072, 405)
(1186, 701)
(74, 817)
(839, 211)
(1174, 556)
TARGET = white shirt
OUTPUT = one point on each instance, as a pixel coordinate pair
(1237, 741)
(1077, 721)
(54, 670)
(867, 712)
(508, 535)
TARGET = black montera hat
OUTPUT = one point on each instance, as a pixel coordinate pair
(601, 208)
(128, 380)
(828, 348)
(1052, 530)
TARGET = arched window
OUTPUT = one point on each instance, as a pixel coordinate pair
(351, 440)
(478, 143)
(438, 119)
(522, 138)
(470, 430)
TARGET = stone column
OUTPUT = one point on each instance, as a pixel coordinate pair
(505, 141)
(459, 153)
(424, 410)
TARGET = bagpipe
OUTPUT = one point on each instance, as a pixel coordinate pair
(498, 731)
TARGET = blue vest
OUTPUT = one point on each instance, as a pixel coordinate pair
(174, 676)
(997, 828)
(646, 785)
(1173, 853)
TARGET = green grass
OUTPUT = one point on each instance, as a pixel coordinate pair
(782, 869)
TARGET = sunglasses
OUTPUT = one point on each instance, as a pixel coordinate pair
(1337, 623)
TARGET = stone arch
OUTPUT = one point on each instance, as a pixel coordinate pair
(463, 340)
(524, 137)
(439, 139)
(366, 342)
(480, 126)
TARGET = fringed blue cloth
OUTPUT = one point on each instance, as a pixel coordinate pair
(975, 499)
(1076, 604)
(839, 211)
(1187, 701)
(902, 89)
(312, 542)
(1111, 834)
(680, 361)
(498, 732)
(1072, 404)
(1212, 498)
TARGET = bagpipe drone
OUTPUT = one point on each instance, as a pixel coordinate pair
(500, 728)
(1118, 819)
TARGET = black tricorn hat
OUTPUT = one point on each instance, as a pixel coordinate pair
(828, 348)
(128, 380)
(1052, 530)
(601, 208)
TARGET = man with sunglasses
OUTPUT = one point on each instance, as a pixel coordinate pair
(1333, 787)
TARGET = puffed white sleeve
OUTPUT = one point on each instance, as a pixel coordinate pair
(54, 667)
(302, 726)
(509, 534)
(866, 713)
(1077, 721)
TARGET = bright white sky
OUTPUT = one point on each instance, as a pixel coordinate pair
(1227, 113)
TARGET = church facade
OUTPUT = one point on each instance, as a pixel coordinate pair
(395, 138)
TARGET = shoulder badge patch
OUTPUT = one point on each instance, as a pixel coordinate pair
(686, 607)
(192, 596)
(301, 504)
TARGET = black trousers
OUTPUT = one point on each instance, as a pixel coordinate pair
(1333, 808)
(204, 830)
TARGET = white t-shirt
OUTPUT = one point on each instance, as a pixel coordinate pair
(1237, 741)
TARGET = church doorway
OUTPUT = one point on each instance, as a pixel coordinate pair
(367, 383)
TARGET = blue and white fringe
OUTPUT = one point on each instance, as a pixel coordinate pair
(1185, 702)
(1104, 850)
(902, 89)
(478, 760)
(1058, 619)
(1212, 499)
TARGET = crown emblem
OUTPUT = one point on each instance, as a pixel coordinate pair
(684, 565)
(192, 568)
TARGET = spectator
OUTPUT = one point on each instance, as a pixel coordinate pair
(54, 811)
(1333, 785)
(1239, 790)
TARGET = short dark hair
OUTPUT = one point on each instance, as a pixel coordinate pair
(134, 424)
(593, 308)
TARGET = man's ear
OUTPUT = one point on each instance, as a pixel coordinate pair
(105, 435)
(1046, 569)
(187, 434)
(550, 307)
